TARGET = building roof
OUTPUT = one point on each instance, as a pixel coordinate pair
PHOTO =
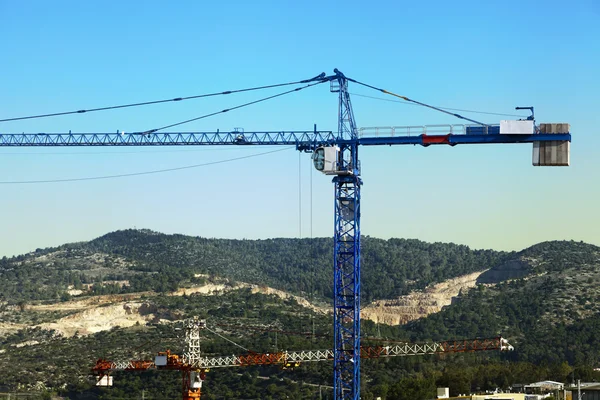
(546, 384)
(497, 396)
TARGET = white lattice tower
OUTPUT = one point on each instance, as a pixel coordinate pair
(191, 354)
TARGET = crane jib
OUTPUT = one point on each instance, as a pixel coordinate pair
(303, 140)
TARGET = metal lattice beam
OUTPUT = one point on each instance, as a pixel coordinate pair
(292, 138)
(301, 356)
(192, 340)
(346, 259)
(302, 140)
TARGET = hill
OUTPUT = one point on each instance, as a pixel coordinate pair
(546, 305)
(140, 260)
(551, 311)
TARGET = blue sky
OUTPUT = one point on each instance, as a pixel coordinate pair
(68, 55)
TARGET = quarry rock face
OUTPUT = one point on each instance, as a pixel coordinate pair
(100, 313)
(99, 319)
(416, 305)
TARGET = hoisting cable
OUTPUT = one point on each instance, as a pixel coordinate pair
(300, 195)
(272, 330)
(443, 108)
(232, 108)
(230, 341)
(307, 334)
(313, 274)
(417, 102)
(145, 103)
(93, 178)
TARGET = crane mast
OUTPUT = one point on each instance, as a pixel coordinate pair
(336, 154)
(346, 242)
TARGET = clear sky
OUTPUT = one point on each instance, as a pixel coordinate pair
(476, 55)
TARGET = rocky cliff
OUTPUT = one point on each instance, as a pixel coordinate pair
(415, 305)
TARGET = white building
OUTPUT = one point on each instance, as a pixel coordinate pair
(544, 386)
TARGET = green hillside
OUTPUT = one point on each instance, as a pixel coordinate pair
(552, 313)
(159, 262)
(544, 300)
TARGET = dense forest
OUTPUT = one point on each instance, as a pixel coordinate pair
(153, 261)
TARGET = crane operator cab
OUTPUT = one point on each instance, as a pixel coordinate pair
(325, 159)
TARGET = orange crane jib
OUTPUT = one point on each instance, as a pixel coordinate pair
(175, 362)
(194, 372)
(262, 359)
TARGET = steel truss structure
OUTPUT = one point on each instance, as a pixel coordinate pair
(194, 373)
(194, 366)
(302, 140)
(347, 182)
(346, 254)
(294, 358)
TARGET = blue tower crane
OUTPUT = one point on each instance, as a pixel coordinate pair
(336, 154)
